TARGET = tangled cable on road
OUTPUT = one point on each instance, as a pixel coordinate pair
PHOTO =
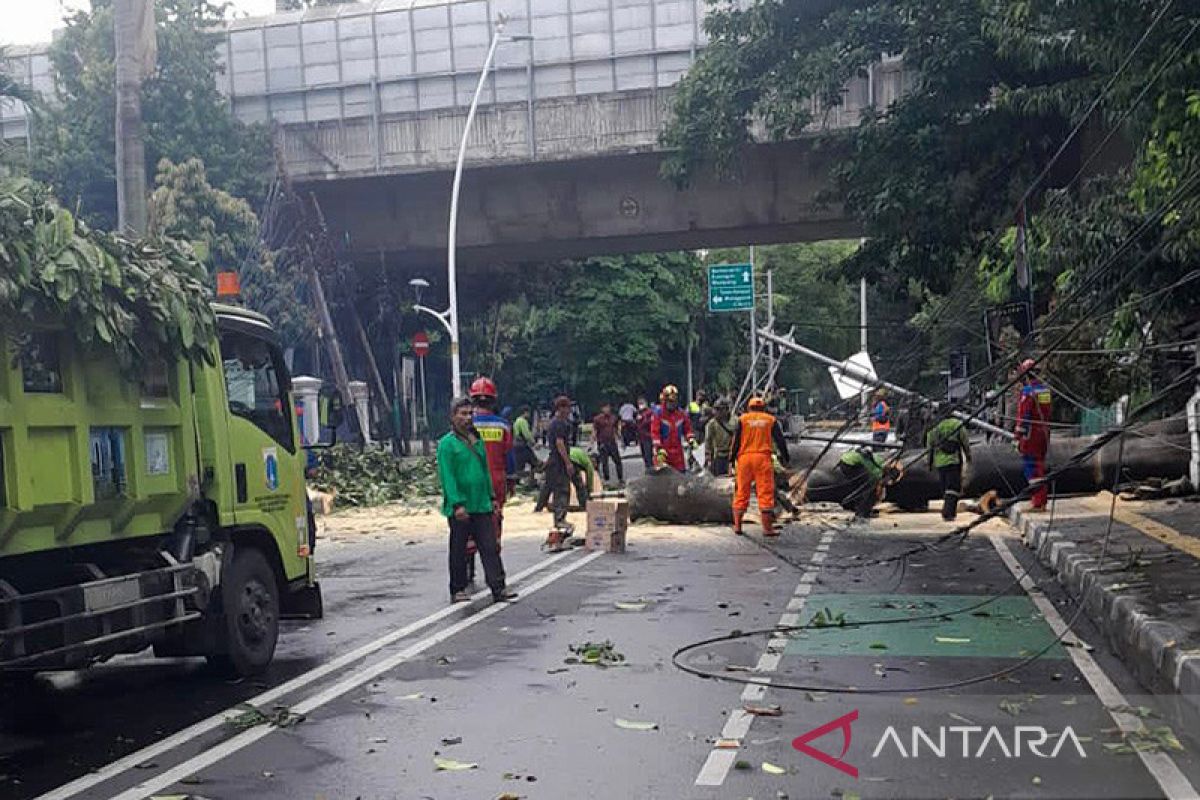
(959, 533)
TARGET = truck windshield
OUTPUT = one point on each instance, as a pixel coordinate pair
(253, 385)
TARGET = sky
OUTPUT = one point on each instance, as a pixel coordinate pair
(32, 21)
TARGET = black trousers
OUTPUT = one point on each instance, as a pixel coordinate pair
(481, 528)
(951, 480)
(647, 453)
(525, 457)
(557, 489)
(610, 450)
(628, 434)
(719, 466)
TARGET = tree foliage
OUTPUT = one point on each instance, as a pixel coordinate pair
(185, 114)
(140, 300)
(225, 229)
(937, 176)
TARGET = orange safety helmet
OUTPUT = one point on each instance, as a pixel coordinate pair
(756, 403)
(669, 392)
(483, 387)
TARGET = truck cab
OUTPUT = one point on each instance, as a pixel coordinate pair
(166, 509)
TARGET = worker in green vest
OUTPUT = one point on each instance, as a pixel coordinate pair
(863, 470)
(948, 447)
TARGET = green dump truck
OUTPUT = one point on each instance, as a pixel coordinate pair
(168, 512)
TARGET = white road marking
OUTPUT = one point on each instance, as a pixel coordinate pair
(716, 767)
(1161, 766)
(353, 681)
(721, 759)
(754, 692)
(149, 753)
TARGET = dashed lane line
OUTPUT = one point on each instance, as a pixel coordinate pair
(737, 725)
(151, 752)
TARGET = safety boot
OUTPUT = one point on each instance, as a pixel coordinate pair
(737, 521)
(768, 524)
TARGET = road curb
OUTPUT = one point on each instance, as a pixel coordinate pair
(1146, 643)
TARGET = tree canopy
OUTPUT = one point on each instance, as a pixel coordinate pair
(185, 114)
(939, 176)
(141, 300)
(225, 229)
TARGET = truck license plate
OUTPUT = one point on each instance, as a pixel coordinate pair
(110, 595)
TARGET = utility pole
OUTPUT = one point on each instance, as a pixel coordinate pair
(753, 331)
(771, 326)
(690, 394)
(136, 53)
(862, 332)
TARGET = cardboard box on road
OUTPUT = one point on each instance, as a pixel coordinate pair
(607, 522)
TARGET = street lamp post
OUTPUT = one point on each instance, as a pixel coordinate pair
(449, 317)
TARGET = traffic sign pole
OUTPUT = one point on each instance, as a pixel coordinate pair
(420, 345)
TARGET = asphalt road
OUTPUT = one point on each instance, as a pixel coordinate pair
(495, 686)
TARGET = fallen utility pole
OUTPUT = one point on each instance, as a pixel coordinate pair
(866, 378)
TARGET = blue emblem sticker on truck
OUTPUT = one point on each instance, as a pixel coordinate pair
(271, 467)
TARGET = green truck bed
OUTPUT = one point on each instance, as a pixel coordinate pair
(84, 456)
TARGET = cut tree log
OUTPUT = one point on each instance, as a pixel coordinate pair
(1160, 451)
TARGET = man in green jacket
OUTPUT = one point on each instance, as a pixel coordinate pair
(468, 503)
(948, 445)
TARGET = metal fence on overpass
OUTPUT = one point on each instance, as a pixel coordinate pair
(383, 86)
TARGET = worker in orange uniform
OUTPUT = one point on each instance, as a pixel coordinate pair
(750, 454)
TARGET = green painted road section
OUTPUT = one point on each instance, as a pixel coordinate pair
(1007, 627)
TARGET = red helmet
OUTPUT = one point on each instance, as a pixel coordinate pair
(483, 387)
(1026, 366)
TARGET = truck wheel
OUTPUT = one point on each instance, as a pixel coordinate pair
(250, 618)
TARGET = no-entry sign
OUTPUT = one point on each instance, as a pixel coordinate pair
(420, 344)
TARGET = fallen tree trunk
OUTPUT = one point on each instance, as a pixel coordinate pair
(1160, 450)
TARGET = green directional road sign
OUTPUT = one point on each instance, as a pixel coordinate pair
(731, 287)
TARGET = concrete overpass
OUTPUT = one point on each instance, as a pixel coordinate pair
(369, 102)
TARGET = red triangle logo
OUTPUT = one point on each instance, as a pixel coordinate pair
(842, 723)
